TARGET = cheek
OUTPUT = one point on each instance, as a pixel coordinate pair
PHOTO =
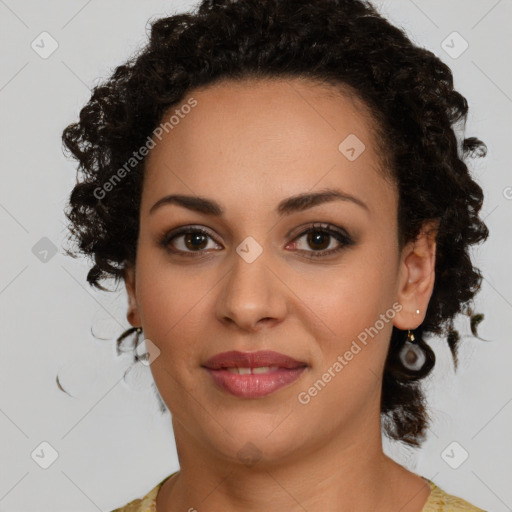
(168, 301)
(351, 343)
(351, 314)
(350, 296)
(166, 293)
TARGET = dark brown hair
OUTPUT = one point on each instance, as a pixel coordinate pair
(408, 90)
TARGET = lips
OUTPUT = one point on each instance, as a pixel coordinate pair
(253, 374)
(235, 359)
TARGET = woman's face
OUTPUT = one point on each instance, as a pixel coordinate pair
(258, 281)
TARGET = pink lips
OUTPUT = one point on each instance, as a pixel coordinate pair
(283, 370)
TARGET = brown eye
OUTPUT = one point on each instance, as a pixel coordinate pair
(322, 240)
(187, 240)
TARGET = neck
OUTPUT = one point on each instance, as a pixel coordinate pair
(350, 470)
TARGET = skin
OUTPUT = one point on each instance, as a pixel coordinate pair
(248, 146)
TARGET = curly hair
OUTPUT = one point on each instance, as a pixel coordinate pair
(344, 43)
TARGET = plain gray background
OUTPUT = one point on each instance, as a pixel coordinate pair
(111, 442)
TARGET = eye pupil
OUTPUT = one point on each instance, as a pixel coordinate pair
(317, 237)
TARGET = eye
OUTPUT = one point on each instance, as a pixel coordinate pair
(324, 239)
(187, 241)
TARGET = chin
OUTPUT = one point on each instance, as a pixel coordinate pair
(256, 439)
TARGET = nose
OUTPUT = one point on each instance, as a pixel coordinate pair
(252, 295)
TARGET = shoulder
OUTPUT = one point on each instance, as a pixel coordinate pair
(441, 501)
(145, 504)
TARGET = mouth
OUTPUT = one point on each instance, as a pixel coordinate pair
(253, 374)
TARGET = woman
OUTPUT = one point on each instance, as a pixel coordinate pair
(280, 188)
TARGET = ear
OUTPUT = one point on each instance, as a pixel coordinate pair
(129, 280)
(417, 277)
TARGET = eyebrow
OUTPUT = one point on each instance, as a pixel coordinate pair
(287, 206)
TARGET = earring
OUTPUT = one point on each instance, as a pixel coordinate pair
(411, 355)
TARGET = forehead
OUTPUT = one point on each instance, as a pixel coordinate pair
(270, 138)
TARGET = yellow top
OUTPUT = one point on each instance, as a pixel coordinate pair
(438, 501)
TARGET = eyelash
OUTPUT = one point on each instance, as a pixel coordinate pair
(340, 236)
